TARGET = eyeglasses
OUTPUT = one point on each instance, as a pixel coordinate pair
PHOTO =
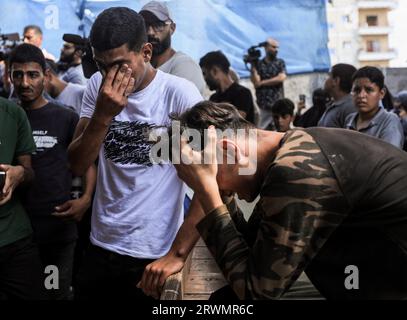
(158, 26)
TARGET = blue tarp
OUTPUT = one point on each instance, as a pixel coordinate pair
(202, 25)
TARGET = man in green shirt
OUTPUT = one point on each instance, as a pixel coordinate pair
(20, 267)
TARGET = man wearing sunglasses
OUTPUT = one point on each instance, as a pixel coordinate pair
(160, 27)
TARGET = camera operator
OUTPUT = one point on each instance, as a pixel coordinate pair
(268, 76)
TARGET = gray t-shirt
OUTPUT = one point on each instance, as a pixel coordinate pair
(336, 113)
(184, 66)
(74, 75)
(384, 125)
(72, 96)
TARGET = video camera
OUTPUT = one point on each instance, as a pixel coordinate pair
(7, 43)
(253, 54)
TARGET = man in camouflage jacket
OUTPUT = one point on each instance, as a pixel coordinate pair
(329, 199)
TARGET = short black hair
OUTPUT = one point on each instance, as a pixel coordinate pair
(25, 53)
(215, 58)
(388, 100)
(372, 73)
(402, 98)
(344, 72)
(222, 116)
(52, 66)
(117, 26)
(34, 27)
(206, 113)
(283, 107)
(319, 97)
(78, 42)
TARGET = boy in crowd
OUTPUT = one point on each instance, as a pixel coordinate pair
(283, 114)
(372, 118)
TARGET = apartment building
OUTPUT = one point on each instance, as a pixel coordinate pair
(359, 32)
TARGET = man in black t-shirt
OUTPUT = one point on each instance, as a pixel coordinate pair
(283, 114)
(215, 68)
(53, 214)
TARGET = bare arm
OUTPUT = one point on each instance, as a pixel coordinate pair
(84, 149)
(25, 162)
(90, 133)
(157, 272)
(254, 77)
(20, 174)
(292, 225)
(273, 81)
(187, 235)
(74, 210)
(90, 181)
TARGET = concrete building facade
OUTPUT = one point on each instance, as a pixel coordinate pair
(359, 32)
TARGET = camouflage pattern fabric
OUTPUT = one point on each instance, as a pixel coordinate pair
(300, 205)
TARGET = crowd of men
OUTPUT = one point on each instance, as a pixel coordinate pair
(332, 188)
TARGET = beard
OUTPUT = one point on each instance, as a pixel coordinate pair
(160, 46)
(30, 94)
(66, 59)
(271, 55)
(212, 85)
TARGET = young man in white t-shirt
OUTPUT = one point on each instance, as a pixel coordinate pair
(138, 235)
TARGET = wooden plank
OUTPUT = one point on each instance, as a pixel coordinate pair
(199, 278)
(204, 284)
(185, 273)
(196, 296)
(203, 266)
(201, 253)
(200, 243)
(172, 288)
